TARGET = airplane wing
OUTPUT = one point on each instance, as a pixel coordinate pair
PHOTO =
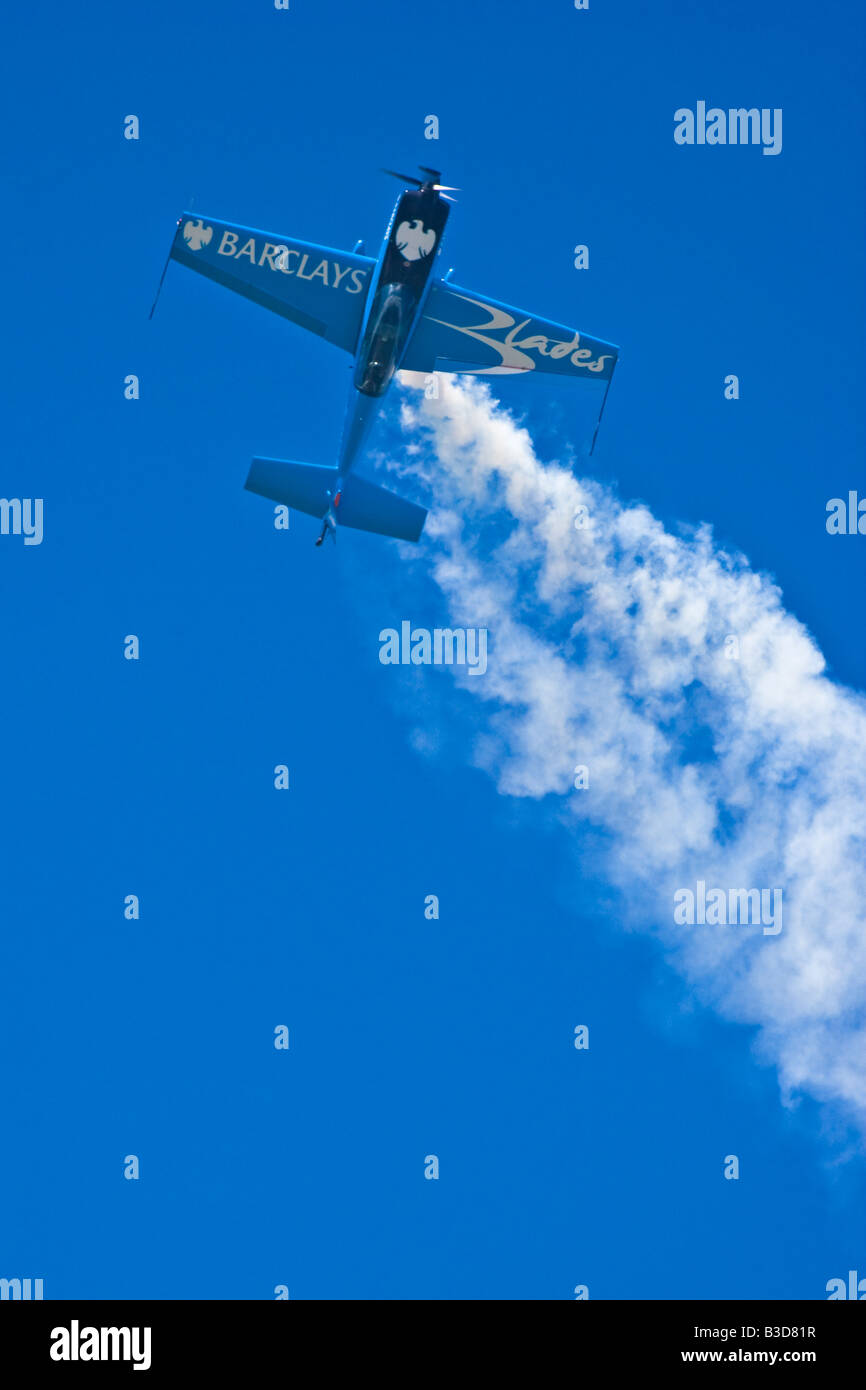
(461, 331)
(314, 286)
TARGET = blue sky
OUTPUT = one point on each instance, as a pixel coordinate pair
(260, 908)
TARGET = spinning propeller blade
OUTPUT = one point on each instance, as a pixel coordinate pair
(406, 178)
(432, 182)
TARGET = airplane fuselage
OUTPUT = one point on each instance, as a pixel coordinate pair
(396, 298)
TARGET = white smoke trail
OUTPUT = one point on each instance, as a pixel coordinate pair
(608, 649)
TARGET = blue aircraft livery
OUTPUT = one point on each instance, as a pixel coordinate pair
(388, 314)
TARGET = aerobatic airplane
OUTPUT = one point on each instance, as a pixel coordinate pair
(390, 313)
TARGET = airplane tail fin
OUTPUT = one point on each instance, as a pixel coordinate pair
(310, 487)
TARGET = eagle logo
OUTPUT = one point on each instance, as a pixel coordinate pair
(196, 235)
(413, 241)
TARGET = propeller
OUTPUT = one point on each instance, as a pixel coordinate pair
(406, 178)
(424, 183)
(436, 176)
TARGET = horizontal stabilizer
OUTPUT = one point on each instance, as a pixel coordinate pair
(305, 486)
(362, 505)
(368, 507)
